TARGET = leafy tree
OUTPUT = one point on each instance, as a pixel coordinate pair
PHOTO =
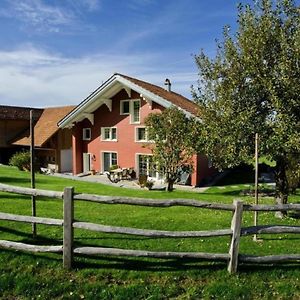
(253, 85)
(173, 135)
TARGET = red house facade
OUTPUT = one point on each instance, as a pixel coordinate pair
(108, 127)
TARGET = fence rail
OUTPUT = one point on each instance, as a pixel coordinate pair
(233, 257)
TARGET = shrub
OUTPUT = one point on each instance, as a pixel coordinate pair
(149, 184)
(21, 160)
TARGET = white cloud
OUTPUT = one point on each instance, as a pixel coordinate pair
(32, 77)
(39, 16)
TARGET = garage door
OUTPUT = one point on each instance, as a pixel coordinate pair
(66, 160)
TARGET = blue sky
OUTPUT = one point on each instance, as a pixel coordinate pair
(56, 52)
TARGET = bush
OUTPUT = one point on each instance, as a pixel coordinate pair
(21, 160)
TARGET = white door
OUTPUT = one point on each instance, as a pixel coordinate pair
(66, 160)
(86, 162)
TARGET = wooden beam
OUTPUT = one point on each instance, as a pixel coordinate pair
(29, 191)
(32, 171)
(68, 228)
(153, 202)
(155, 254)
(236, 234)
(29, 219)
(150, 233)
(30, 248)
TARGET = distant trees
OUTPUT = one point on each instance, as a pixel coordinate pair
(253, 85)
(173, 136)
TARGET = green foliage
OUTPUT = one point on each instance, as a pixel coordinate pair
(293, 173)
(173, 135)
(253, 85)
(21, 160)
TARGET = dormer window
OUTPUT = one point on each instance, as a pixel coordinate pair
(86, 134)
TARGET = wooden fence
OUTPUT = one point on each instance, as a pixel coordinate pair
(233, 257)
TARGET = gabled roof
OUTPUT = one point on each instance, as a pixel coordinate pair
(116, 83)
(45, 127)
(17, 113)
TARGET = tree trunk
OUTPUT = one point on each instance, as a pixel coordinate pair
(281, 188)
(170, 185)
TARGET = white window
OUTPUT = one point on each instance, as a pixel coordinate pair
(132, 108)
(141, 134)
(109, 134)
(86, 134)
(109, 159)
(124, 107)
(135, 111)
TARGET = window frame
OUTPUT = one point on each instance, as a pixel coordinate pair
(110, 139)
(132, 111)
(137, 140)
(110, 158)
(122, 113)
(84, 136)
(131, 103)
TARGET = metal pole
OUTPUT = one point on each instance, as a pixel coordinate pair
(256, 183)
(33, 204)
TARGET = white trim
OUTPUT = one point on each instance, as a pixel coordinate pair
(102, 158)
(84, 130)
(110, 134)
(108, 103)
(90, 117)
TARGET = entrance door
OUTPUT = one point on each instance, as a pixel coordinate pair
(109, 159)
(86, 162)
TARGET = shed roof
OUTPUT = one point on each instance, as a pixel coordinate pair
(45, 127)
(17, 112)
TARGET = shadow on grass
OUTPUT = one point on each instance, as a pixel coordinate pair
(278, 267)
(14, 180)
(7, 196)
(28, 239)
(147, 264)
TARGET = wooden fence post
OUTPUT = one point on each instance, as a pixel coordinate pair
(236, 224)
(68, 227)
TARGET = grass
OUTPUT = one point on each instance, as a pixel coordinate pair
(41, 276)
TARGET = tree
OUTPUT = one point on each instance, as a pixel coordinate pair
(172, 134)
(253, 85)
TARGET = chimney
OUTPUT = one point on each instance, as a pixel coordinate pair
(168, 85)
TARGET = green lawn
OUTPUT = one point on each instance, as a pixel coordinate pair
(41, 276)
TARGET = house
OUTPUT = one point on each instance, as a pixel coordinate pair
(14, 121)
(108, 126)
(52, 144)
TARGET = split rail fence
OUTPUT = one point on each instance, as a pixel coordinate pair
(233, 257)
